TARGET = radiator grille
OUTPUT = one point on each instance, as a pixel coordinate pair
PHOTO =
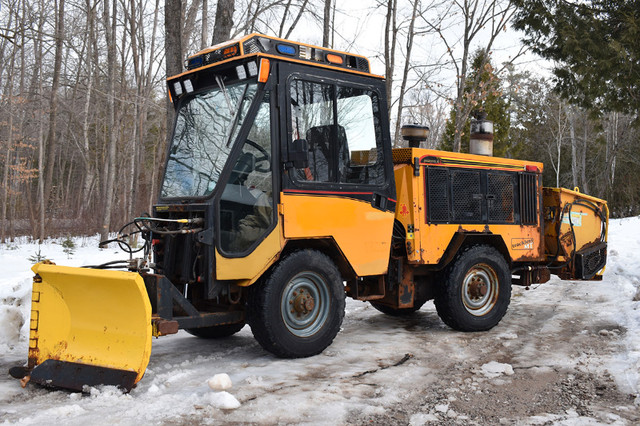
(528, 199)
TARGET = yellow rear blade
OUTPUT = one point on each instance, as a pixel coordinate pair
(88, 327)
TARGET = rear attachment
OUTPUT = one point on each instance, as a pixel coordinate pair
(88, 327)
(575, 233)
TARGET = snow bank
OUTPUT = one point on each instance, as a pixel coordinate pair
(16, 259)
(623, 304)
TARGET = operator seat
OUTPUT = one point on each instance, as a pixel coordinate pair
(323, 153)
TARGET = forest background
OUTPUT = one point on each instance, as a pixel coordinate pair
(84, 118)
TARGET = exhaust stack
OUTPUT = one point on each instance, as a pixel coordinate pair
(481, 142)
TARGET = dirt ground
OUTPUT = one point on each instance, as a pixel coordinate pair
(557, 376)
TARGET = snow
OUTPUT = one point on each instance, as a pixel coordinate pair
(220, 382)
(554, 337)
(495, 369)
(223, 401)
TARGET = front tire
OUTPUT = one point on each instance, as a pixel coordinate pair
(298, 309)
(476, 291)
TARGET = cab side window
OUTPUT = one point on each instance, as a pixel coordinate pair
(342, 129)
(312, 116)
(246, 204)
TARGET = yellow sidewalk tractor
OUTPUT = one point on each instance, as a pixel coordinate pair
(281, 195)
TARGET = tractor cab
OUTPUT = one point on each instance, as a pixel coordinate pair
(260, 121)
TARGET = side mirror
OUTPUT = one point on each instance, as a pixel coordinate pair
(299, 153)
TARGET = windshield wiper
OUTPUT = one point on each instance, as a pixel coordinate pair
(236, 114)
(223, 89)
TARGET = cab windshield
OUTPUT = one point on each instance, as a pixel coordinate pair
(207, 125)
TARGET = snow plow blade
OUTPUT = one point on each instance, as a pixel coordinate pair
(88, 327)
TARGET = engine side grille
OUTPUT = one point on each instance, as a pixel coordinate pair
(467, 196)
(500, 197)
(438, 192)
(528, 199)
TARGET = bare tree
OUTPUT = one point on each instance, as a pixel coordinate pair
(51, 140)
(173, 37)
(407, 65)
(204, 34)
(390, 38)
(109, 22)
(326, 24)
(480, 20)
(224, 21)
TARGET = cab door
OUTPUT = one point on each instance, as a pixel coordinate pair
(250, 235)
(338, 172)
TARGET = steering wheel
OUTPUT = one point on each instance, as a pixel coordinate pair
(264, 156)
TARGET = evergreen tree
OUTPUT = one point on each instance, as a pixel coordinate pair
(594, 46)
(488, 99)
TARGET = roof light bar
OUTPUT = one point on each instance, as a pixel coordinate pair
(256, 44)
(213, 56)
(334, 59)
(286, 49)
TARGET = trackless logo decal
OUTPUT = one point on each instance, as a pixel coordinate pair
(522, 244)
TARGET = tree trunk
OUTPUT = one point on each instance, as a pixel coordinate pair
(574, 147)
(172, 48)
(224, 21)
(89, 171)
(405, 74)
(390, 36)
(110, 164)
(326, 23)
(583, 157)
(51, 140)
(8, 150)
(204, 35)
(559, 143)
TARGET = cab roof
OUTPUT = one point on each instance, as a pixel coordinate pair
(268, 46)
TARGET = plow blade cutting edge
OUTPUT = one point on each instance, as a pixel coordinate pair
(88, 327)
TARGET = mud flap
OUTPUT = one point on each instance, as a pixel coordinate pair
(88, 327)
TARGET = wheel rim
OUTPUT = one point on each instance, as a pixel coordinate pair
(480, 289)
(305, 304)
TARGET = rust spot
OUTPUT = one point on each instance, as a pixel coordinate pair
(165, 327)
(59, 349)
(24, 381)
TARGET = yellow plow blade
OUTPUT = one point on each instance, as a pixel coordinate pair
(88, 327)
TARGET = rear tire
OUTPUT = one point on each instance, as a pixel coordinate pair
(298, 309)
(477, 290)
(216, 331)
